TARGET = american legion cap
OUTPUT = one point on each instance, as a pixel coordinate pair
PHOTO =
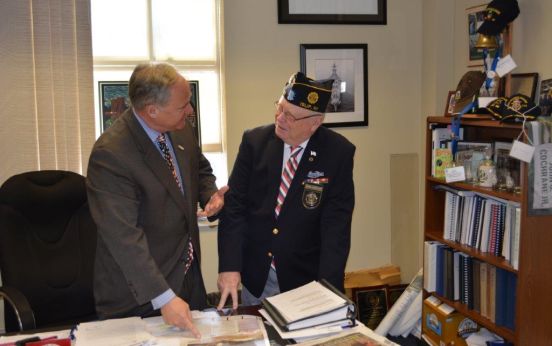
(498, 14)
(514, 109)
(307, 93)
(467, 88)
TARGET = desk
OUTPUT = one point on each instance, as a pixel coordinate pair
(273, 336)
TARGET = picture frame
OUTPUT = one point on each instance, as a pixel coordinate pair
(524, 83)
(347, 64)
(373, 12)
(451, 102)
(371, 304)
(470, 155)
(113, 101)
(475, 16)
(194, 119)
(545, 97)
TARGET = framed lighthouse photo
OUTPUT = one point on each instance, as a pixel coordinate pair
(347, 66)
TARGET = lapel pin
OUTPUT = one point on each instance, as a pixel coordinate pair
(180, 147)
(313, 153)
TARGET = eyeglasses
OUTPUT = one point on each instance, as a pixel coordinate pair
(290, 117)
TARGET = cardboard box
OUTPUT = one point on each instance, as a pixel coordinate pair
(445, 326)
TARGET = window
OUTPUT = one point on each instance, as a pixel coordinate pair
(185, 33)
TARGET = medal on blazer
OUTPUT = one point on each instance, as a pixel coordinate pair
(312, 194)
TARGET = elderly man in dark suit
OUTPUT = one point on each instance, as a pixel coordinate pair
(146, 176)
(287, 218)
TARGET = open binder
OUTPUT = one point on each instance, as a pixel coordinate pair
(316, 304)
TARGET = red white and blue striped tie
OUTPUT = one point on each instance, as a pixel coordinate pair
(287, 177)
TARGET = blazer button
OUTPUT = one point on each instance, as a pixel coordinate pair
(275, 231)
(269, 254)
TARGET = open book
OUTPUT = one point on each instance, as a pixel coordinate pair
(313, 304)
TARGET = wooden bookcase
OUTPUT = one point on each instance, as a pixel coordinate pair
(533, 310)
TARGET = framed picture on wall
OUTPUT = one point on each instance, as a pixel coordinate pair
(347, 65)
(194, 119)
(113, 102)
(332, 12)
(476, 15)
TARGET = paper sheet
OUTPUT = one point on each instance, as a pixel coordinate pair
(308, 300)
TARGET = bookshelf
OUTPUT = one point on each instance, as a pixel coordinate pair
(533, 305)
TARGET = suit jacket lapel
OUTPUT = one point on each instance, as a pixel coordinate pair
(154, 160)
(274, 153)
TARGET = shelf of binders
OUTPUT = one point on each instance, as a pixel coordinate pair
(477, 130)
(497, 261)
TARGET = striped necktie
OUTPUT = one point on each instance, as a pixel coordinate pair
(287, 177)
(162, 143)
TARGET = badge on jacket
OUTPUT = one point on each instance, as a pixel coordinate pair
(312, 194)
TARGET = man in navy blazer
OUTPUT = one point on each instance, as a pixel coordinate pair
(143, 197)
(308, 236)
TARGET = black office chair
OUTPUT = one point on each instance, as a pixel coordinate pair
(47, 247)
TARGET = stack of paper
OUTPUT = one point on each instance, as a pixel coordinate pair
(120, 332)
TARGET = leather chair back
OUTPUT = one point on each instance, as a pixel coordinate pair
(47, 246)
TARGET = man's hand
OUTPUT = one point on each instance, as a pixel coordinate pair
(215, 204)
(177, 313)
(228, 283)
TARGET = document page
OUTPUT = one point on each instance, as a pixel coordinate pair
(115, 332)
(308, 300)
(235, 330)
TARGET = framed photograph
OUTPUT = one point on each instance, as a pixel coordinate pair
(476, 15)
(470, 155)
(451, 102)
(371, 304)
(393, 294)
(332, 12)
(194, 119)
(113, 102)
(524, 83)
(347, 65)
(545, 97)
